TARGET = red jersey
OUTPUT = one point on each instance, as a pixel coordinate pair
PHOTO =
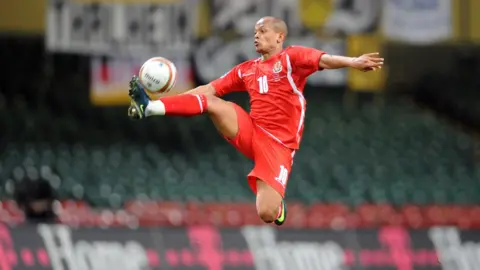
(275, 87)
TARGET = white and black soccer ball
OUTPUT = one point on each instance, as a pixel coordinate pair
(158, 75)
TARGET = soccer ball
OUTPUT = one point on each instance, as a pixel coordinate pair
(158, 75)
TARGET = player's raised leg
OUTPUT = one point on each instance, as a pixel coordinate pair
(197, 101)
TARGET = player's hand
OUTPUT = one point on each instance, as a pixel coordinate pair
(368, 62)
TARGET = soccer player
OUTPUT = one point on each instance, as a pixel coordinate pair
(271, 133)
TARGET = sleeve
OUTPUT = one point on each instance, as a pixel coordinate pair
(306, 58)
(230, 82)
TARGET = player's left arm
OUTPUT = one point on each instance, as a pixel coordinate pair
(366, 62)
(311, 60)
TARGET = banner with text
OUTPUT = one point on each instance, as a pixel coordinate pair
(59, 247)
(139, 30)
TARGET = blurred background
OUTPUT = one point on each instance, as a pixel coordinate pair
(388, 175)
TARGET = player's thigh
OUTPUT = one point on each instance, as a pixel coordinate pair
(223, 115)
(273, 163)
(233, 123)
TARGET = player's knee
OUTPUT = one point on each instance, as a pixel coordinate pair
(268, 201)
(267, 213)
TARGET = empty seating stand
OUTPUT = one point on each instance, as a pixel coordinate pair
(375, 159)
(393, 154)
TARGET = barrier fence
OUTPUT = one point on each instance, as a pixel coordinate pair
(60, 247)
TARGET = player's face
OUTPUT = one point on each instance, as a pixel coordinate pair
(266, 39)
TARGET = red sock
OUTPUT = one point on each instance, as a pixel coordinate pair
(184, 105)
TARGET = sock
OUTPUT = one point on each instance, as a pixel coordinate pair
(179, 105)
(279, 211)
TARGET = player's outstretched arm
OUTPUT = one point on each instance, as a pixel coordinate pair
(366, 62)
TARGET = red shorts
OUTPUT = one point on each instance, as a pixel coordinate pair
(272, 160)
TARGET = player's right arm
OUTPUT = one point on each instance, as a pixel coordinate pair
(228, 83)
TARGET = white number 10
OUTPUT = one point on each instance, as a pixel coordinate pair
(263, 84)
